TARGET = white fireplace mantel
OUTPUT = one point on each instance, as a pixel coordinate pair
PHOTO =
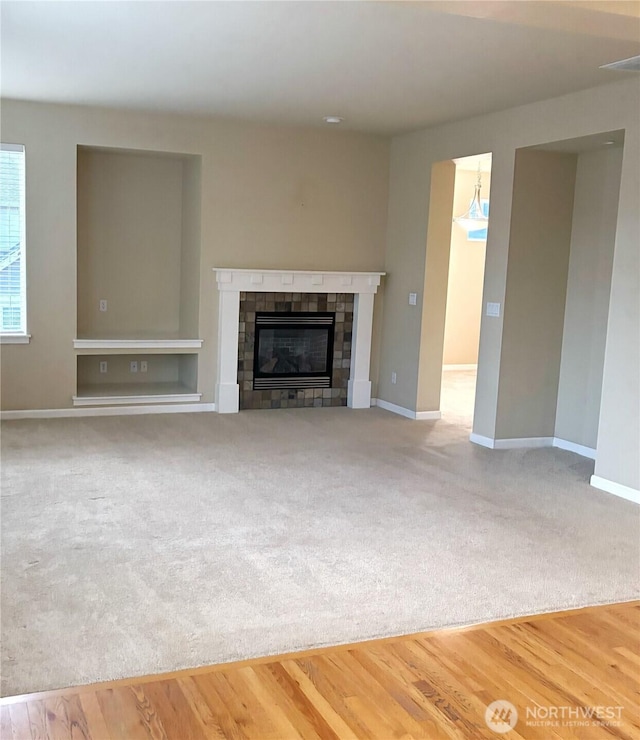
(297, 281)
(231, 282)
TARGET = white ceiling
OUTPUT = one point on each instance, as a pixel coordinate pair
(385, 67)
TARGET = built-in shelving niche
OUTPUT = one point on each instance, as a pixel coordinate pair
(169, 378)
(139, 251)
(138, 244)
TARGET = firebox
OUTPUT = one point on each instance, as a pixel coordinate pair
(293, 350)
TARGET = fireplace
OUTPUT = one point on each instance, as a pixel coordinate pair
(243, 293)
(293, 350)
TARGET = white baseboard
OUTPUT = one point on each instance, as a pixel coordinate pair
(520, 443)
(564, 444)
(408, 413)
(532, 442)
(446, 368)
(427, 415)
(178, 408)
(516, 443)
(478, 439)
(617, 489)
(395, 409)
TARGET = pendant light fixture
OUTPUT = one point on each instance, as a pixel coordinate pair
(474, 218)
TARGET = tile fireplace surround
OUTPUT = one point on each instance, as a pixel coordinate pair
(339, 304)
(311, 288)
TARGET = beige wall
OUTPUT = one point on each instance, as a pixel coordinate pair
(191, 246)
(408, 199)
(619, 425)
(606, 108)
(589, 285)
(434, 291)
(540, 235)
(271, 197)
(466, 277)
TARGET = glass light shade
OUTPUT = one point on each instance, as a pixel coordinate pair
(474, 217)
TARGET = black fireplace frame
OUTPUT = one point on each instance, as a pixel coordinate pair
(294, 320)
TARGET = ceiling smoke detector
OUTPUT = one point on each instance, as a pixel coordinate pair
(333, 119)
(632, 64)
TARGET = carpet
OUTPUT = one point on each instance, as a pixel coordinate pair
(142, 544)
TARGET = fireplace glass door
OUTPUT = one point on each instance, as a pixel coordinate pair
(293, 350)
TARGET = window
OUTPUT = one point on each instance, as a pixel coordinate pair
(13, 319)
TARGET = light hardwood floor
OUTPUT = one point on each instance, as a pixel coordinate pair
(432, 685)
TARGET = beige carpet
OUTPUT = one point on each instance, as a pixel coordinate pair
(134, 545)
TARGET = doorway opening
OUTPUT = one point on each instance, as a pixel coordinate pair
(463, 311)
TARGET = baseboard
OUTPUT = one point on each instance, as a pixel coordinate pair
(408, 413)
(178, 408)
(564, 444)
(532, 442)
(395, 409)
(446, 368)
(478, 439)
(521, 443)
(617, 489)
(427, 415)
(517, 443)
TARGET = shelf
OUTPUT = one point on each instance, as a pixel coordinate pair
(137, 344)
(109, 394)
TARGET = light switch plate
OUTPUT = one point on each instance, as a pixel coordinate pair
(413, 299)
(493, 309)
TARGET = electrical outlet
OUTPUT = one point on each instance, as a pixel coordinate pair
(143, 366)
(103, 304)
(394, 378)
(103, 366)
(133, 366)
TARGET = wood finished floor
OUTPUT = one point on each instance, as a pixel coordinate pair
(433, 685)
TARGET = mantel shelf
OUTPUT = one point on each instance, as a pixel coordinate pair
(233, 280)
(141, 344)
